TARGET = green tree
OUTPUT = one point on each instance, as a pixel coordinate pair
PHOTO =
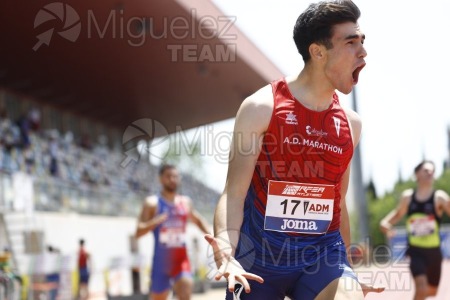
(379, 207)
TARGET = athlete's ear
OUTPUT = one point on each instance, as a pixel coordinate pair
(316, 51)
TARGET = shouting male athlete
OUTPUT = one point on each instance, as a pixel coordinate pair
(282, 221)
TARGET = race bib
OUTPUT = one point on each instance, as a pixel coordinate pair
(172, 237)
(299, 207)
(422, 226)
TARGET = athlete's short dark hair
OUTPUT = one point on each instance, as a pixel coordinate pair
(165, 167)
(315, 24)
(420, 165)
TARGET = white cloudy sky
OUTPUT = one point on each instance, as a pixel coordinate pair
(403, 92)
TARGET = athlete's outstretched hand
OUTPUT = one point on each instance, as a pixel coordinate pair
(367, 288)
(161, 218)
(230, 268)
(388, 231)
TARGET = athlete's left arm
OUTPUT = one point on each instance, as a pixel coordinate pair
(445, 200)
(355, 127)
(196, 218)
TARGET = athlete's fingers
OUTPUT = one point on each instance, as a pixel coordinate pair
(244, 282)
(212, 241)
(391, 233)
(378, 289)
(375, 290)
(231, 283)
(222, 272)
(214, 244)
(253, 277)
(163, 216)
(218, 276)
(367, 288)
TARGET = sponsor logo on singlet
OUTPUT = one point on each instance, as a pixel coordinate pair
(315, 132)
(303, 190)
(337, 125)
(298, 225)
(291, 119)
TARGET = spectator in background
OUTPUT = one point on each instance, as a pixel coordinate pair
(10, 275)
(9, 139)
(84, 266)
(101, 149)
(27, 123)
(53, 148)
(67, 141)
(86, 142)
(29, 160)
(9, 132)
(53, 260)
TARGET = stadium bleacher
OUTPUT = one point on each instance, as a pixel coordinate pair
(73, 174)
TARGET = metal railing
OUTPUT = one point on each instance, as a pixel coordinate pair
(57, 195)
(53, 194)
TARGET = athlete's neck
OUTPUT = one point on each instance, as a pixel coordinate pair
(311, 90)
(168, 195)
(424, 190)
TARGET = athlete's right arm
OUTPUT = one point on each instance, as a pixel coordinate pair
(396, 214)
(148, 220)
(252, 121)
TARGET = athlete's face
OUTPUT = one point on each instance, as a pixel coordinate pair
(346, 58)
(170, 180)
(426, 173)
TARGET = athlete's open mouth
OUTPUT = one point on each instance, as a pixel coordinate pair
(355, 73)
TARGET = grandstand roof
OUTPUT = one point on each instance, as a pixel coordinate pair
(98, 62)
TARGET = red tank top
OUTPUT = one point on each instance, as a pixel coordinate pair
(303, 146)
(82, 259)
